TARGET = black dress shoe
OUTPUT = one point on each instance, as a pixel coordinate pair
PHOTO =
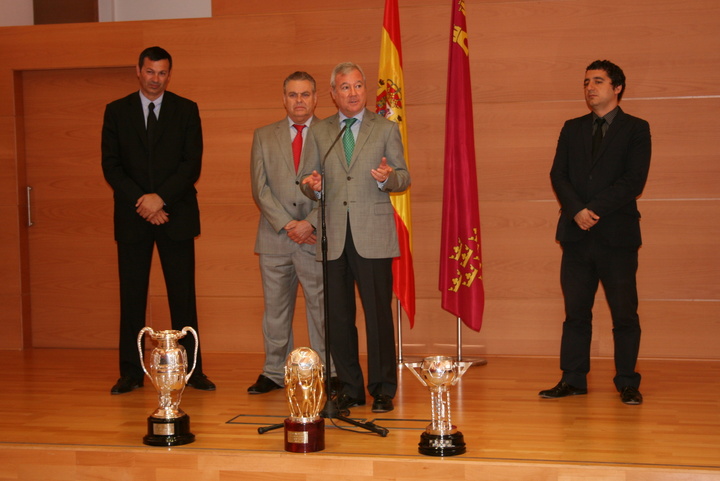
(382, 404)
(562, 389)
(126, 384)
(262, 385)
(631, 395)
(200, 381)
(345, 402)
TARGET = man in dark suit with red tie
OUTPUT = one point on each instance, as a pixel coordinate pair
(151, 157)
(600, 169)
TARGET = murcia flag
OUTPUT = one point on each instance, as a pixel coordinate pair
(461, 282)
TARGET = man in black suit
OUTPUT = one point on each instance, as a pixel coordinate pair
(151, 156)
(600, 168)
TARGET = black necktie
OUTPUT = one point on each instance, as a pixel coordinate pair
(151, 121)
(598, 136)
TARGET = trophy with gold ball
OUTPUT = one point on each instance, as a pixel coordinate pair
(168, 425)
(305, 390)
(438, 373)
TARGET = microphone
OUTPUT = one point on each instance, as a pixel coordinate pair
(323, 232)
(322, 165)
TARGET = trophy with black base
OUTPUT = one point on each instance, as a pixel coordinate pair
(305, 390)
(438, 373)
(168, 425)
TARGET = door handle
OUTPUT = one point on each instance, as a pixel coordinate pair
(29, 209)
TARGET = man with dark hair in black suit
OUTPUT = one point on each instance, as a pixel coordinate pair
(151, 157)
(600, 169)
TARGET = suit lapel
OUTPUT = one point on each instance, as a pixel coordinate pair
(138, 117)
(366, 127)
(282, 135)
(333, 129)
(302, 155)
(167, 112)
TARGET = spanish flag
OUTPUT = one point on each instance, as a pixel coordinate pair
(461, 280)
(391, 105)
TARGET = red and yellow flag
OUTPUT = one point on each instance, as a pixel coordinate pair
(461, 282)
(391, 105)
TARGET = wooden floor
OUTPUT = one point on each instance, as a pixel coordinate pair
(58, 421)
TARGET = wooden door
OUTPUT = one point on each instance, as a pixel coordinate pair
(72, 255)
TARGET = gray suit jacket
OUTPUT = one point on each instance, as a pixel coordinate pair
(275, 189)
(351, 192)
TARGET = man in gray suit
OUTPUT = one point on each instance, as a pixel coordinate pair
(359, 173)
(286, 234)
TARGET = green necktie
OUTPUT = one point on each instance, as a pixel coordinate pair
(348, 139)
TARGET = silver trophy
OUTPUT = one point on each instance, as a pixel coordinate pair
(438, 373)
(305, 391)
(168, 425)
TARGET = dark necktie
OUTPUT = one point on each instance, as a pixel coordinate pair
(151, 121)
(297, 145)
(349, 139)
(598, 135)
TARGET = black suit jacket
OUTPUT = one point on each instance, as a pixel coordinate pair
(608, 184)
(169, 168)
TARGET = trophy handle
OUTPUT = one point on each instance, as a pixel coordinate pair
(140, 350)
(197, 343)
(463, 366)
(412, 366)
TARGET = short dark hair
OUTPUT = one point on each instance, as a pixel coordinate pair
(299, 75)
(617, 77)
(155, 54)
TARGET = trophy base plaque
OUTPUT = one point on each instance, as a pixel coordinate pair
(304, 437)
(441, 444)
(169, 432)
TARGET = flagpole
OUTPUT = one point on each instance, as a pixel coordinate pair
(399, 334)
(474, 361)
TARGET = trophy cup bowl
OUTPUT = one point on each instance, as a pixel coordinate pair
(305, 391)
(168, 425)
(438, 373)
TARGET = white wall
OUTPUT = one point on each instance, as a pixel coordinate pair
(20, 12)
(124, 10)
(16, 12)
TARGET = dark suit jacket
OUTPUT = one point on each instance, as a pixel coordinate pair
(168, 168)
(608, 184)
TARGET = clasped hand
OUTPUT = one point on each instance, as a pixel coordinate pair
(586, 219)
(150, 208)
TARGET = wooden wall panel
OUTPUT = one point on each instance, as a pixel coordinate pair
(527, 61)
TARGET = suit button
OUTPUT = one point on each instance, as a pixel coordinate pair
(349, 178)
(345, 203)
(297, 182)
(294, 204)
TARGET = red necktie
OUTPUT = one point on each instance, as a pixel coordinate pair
(297, 145)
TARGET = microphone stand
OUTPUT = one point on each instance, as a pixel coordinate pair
(330, 411)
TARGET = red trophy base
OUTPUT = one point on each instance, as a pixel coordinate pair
(304, 437)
